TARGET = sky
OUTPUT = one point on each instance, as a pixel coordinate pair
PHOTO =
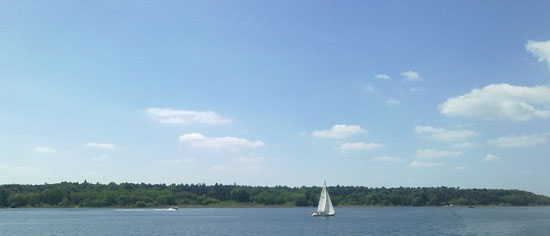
(363, 93)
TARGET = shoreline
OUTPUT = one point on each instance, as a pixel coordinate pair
(129, 195)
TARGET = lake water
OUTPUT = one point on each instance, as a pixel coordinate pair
(278, 221)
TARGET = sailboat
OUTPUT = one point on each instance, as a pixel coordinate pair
(324, 208)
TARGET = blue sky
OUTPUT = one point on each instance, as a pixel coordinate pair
(371, 93)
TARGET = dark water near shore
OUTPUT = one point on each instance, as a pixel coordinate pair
(278, 221)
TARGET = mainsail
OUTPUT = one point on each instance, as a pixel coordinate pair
(325, 204)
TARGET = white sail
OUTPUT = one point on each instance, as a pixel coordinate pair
(329, 209)
(322, 200)
(325, 204)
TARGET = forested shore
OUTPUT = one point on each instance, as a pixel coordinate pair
(127, 195)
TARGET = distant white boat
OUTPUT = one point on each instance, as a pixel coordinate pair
(324, 208)
(172, 208)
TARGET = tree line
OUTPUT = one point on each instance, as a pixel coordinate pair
(68, 194)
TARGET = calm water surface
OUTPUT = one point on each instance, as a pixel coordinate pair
(278, 221)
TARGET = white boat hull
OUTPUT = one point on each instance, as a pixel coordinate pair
(321, 214)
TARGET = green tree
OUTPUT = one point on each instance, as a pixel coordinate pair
(140, 204)
(3, 197)
(301, 201)
(240, 195)
(17, 200)
(51, 197)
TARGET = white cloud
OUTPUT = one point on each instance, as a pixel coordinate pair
(100, 145)
(368, 89)
(461, 167)
(231, 143)
(388, 159)
(359, 146)
(420, 164)
(431, 153)
(516, 141)
(43, 149)
(464, 145)
(501, 101)
(440, 134)
(491, 157)
(410, 75)
(172, 116)
(392, 101)
(427, 129)
(382, 76)
(541, 50)
(339, 131)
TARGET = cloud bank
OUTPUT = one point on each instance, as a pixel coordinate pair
(42, 149)
(172, 116)
(431, 153)
(501, 101)
(440, 134)
(231, 143)
(359, 146)
(392, 101)
(410, 75)
(518, 141)
(541, 50)
(100, 145)
(421, 164)
(339, 131)
(490, 158)
(382, 76)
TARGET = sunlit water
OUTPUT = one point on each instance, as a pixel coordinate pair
(278, 221)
